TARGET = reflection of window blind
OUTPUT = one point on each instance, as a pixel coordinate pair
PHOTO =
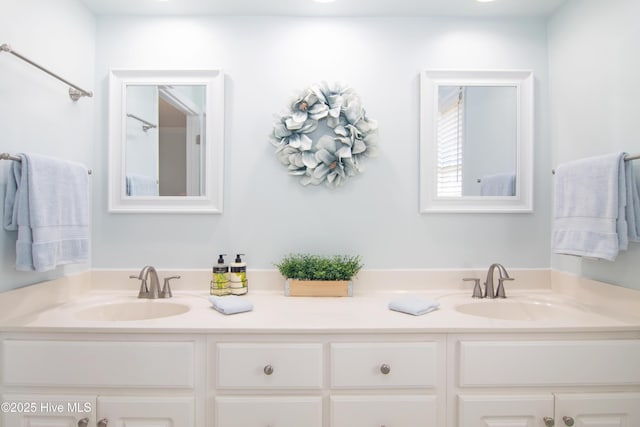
(450, 147)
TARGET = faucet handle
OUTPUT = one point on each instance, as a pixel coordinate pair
(477, 290)
(500, 291)
(166, 288)
(144, 289)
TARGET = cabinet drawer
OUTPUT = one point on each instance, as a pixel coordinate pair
(246, 365)
(396, 411)
(268, 411)
(98, 363)
(363, 365)
(537, 363)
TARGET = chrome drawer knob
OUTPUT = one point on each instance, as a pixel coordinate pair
(549, 422)
(385, 369)
(84, 422)
(568, 421)
(103, 422)
(268, 370)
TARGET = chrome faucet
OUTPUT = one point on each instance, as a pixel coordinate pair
(488, 284)
(153, 290)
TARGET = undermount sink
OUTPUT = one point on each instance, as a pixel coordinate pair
(143, 309)
(510, 309)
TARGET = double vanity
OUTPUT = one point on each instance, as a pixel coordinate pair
(86, 351)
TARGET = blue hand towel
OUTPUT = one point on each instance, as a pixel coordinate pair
(501, 184)
(633, 203)
(141, 185)
(590, 207)
(413, 305)
(230, 304)
(47, 201)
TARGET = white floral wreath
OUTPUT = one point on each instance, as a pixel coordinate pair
(335, 157)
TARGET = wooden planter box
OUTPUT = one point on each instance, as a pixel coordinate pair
(318, 288)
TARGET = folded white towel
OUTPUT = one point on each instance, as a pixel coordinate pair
(141, 185)
(47, 201)
(230, 304)
(413, 305)
(589, 209)
(501, 184)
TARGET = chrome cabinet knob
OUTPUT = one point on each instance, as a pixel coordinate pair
(549, 422)
(385, 369)
(84, 422)
(103, 422)
(268, 370)
(568, 421)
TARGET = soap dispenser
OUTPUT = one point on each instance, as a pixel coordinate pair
(220, 279)
(238, 283)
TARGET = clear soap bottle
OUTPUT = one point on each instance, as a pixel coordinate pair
(220, 279)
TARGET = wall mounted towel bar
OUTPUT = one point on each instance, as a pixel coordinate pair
(145, 124)
(75, 92)
(627, 158)
(7, 156)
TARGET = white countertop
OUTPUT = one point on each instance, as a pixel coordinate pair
(366, 312)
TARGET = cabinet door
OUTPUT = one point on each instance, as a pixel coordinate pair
(268, 411)
(396, 411)
(47, 411)
(131, 411)
(598, 410)
(504, 411)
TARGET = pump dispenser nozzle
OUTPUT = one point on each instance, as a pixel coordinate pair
(221, 258)
(238, 259)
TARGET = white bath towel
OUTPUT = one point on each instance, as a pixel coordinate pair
(500, 184)
(47, 201)
(413, 305)
(230, 304)
(589, 209)
(141, 185)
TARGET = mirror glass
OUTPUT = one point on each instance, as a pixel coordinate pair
(476, 141)
(166, 141)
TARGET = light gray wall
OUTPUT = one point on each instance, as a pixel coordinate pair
(594, 92)
(36, 114)
(269, 60)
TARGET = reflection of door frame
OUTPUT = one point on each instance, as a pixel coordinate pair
(194, 149)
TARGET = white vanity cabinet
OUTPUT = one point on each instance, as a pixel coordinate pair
(320, 379)
(84, 379)
(330, 381)
(386, 368)
(286, 368)
(545, 381)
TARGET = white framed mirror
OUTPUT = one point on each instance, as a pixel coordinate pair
(476, 141)
(166, 141)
